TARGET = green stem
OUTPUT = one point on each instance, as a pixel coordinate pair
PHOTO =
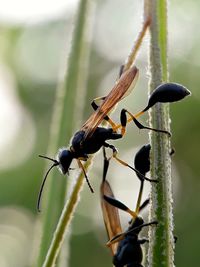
(64, 220)
(63, 125)
(138, 41)
(161, 253)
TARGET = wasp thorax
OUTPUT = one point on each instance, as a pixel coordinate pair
(64, 158)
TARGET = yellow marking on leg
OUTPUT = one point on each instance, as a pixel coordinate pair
(139, 197)
(129, 119)
(132, 213)
(120, 161)
(113, 125)
(123, 130)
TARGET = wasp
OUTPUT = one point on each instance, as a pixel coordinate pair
(125, 246)
(91, 137)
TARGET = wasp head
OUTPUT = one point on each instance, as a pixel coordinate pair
(64, 158)
(63, 161)
(135, 225)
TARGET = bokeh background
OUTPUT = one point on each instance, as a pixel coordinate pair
(33, 36)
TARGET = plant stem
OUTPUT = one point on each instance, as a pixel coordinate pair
(63, 125)
(161, 253)
(138, 42)
(64, 220)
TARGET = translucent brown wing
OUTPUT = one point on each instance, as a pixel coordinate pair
(122, 88)
(110, 215)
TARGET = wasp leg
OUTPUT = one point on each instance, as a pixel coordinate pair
(94, 104)
(84, 172)
(142, 241)
(139, 197)
(141, 126)
(85, 158)
(142, 177)
(95, 107)
(175, 239)
(124, 120)
(172, 151)
(105, 165)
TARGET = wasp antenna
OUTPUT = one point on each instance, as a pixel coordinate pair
(115, 239)
(140, 227)
(42, 185)
(45, 157)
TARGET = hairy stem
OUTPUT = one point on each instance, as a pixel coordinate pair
(64, 220)
(64, 120)
(161, 253)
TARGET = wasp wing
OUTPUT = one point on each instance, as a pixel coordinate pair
(122, 88)
(110, 213)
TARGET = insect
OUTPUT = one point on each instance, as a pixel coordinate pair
(125, 246)
(91, 137)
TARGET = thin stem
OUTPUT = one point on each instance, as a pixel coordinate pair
(138, 42)
(64, 220)
(161, 245)
(63, 125)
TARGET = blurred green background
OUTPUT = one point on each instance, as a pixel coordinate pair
(33, 43)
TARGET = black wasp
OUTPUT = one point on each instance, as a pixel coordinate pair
(91, 137)
(125, 246)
